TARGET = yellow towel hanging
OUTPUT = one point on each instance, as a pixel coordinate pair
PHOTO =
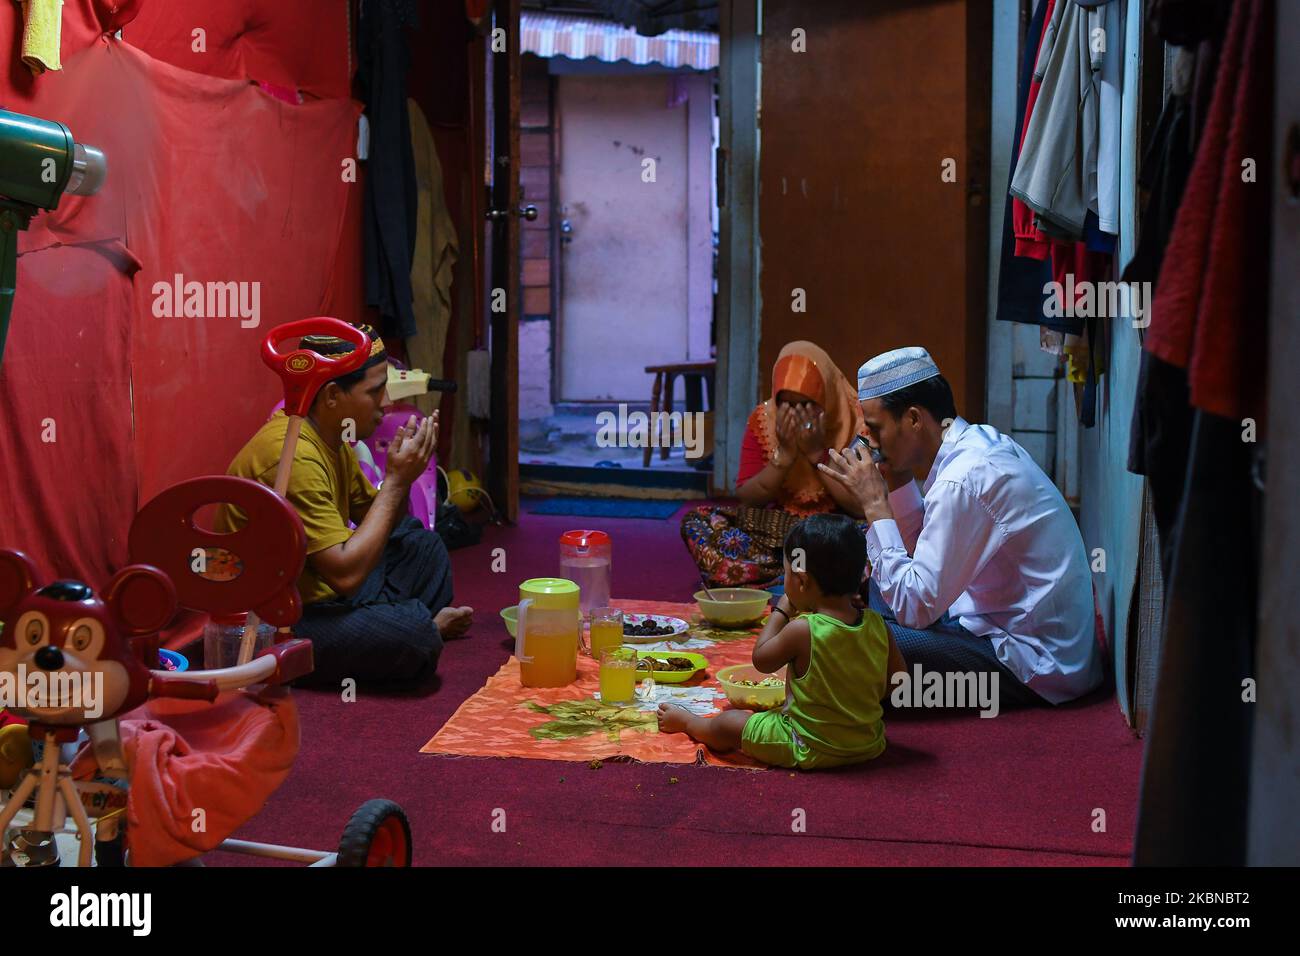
(43, 21)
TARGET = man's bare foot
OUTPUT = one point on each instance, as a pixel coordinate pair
(672, 719)
(453, 621)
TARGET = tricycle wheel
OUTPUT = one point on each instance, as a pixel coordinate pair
(377, 835)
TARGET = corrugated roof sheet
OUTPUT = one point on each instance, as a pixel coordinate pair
(580, 38)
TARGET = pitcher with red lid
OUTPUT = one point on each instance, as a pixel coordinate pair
(586, 559)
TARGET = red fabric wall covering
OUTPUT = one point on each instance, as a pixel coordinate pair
(345, 294)
(68, 502)
(301, 44)
(209, 178)
(238, 187)
(305, 45)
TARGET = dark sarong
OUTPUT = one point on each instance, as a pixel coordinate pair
(384, 632)
(947, 647)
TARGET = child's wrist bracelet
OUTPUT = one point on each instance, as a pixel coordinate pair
(777, 608)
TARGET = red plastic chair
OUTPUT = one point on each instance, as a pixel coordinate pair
(259, 564)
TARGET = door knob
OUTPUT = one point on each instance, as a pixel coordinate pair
(528, 212)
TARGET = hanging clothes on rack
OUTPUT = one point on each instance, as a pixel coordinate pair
(1210, 310)
(1030, 241)
(1206, 344)
(1162, 413)
(1110, 93)
(1210, 318)
(1062, 186)
(1060, 144)
(391, 194)
(1161, 433)
(1021, 280)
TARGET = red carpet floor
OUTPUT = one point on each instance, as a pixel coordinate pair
(1021, 789)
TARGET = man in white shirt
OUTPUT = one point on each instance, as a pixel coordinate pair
(980, 567)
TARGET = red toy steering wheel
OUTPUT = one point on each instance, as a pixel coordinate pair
(303, 371)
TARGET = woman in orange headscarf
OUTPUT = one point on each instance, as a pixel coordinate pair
(813, 407)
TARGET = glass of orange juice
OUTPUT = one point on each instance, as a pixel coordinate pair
(606, 629)
(618, 675)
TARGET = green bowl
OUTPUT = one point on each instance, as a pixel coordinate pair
(671, 677)
(511, 616)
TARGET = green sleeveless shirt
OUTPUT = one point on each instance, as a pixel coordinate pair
(835, 707)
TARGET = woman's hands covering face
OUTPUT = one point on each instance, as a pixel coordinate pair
(810, 423)
(787, 431)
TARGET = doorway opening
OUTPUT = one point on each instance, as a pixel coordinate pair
(619, 265)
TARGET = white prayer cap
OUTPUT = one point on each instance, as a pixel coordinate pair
(893, 371)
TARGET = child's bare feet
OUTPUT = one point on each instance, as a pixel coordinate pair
(672, 719)
(453, 621)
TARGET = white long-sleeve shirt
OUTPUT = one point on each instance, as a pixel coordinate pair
(993, 543)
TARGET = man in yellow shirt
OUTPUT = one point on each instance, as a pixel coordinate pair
(377, 599)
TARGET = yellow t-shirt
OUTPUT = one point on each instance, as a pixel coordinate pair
(326, 487)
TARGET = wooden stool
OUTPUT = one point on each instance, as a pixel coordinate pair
(694, 375)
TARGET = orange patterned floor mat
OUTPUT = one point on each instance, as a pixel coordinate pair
(505, 719)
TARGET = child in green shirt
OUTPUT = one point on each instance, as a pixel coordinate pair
(838, 659)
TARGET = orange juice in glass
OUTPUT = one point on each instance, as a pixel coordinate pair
(606, 630)
(618, 675)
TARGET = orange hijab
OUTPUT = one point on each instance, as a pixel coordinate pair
(804, 368)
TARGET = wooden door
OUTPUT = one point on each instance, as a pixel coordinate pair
(626, 216)
(504, 216)
(864, 108)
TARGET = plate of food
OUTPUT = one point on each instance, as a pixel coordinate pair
(649, 628)
(669, 667)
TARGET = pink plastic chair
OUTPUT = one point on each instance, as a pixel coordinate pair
(424, 492)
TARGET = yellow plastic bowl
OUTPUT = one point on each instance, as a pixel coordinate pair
(735, 607)
(511, 616)
(751, 698)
